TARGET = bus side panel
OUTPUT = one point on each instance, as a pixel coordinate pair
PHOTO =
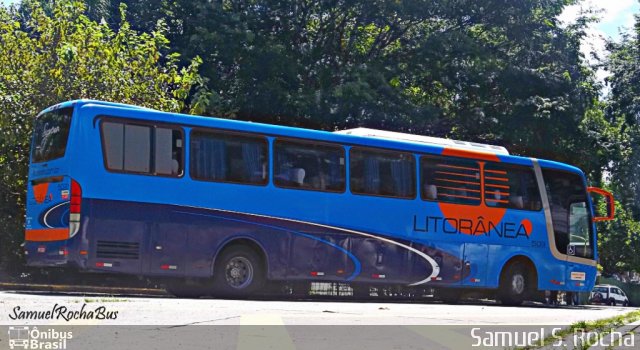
(116, 232)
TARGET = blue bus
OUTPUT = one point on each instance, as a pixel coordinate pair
(234, 205)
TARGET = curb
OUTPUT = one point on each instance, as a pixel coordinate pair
(80, 289)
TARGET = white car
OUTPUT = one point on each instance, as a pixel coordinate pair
(609, 295)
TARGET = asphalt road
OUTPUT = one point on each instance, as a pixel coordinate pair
(145, 322)
(172, 311)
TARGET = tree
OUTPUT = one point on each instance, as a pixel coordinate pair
(624, 108)
(619, 242)
(496, 71)
(620, 239)
(47, 57)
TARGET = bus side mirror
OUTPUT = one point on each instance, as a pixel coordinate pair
(608, 199)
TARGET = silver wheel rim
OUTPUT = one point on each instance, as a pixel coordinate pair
(517, 284)
(239, 272)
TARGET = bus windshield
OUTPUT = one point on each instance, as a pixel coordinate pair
(50, 134)
(570, 214)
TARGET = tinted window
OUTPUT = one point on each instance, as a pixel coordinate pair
(137, 148)
(228, 158)
(511, 187)
(168, 151)
(450, 180)
(569, 212)
(309, 166)
(113, 136)
(383, 173)
(143, 149)
(50, 134)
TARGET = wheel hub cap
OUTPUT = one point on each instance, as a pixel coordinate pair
(518, 284)
(239, 272)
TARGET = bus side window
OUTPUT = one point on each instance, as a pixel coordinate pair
(113, 144)
(128, 148)
(450, 180)
(509, 186)
(318, 167)
(383, 173)
(225, 157)
(168, 152)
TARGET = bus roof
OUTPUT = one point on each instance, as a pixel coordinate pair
(391, 135)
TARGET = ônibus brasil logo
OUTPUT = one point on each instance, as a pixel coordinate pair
(32, 338)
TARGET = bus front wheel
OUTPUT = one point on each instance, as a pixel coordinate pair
(514, 284)
(238, 272)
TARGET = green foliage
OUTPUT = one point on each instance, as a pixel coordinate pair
(496, 71)
(619, 243)
(493, 71)
(51, 56)
(620, 239)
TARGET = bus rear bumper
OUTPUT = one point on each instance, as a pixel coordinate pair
(51, 254)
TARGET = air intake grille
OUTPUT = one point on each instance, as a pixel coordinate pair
(118, 250)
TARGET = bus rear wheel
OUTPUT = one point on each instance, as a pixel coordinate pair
(514, 284)
(239, 271)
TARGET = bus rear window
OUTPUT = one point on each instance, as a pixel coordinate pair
(50, 134)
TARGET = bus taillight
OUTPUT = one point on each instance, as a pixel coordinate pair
(74, 208)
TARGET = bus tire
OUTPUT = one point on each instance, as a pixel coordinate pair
(239, 271)
(514, 284)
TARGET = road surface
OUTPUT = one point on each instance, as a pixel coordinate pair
(172, 311)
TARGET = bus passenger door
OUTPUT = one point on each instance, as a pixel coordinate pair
(475, 258)
(167, 246)
(580, 244)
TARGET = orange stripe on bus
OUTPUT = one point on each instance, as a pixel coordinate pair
(458, 188)
(47, 234)
(460, 182)
(496, 178)
(496, 200)
(457, 167)
(497, 192)
(456, 174)
(458, 196)
(455, 152)
(498, 186)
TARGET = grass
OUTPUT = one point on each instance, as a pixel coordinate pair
(602, 327)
